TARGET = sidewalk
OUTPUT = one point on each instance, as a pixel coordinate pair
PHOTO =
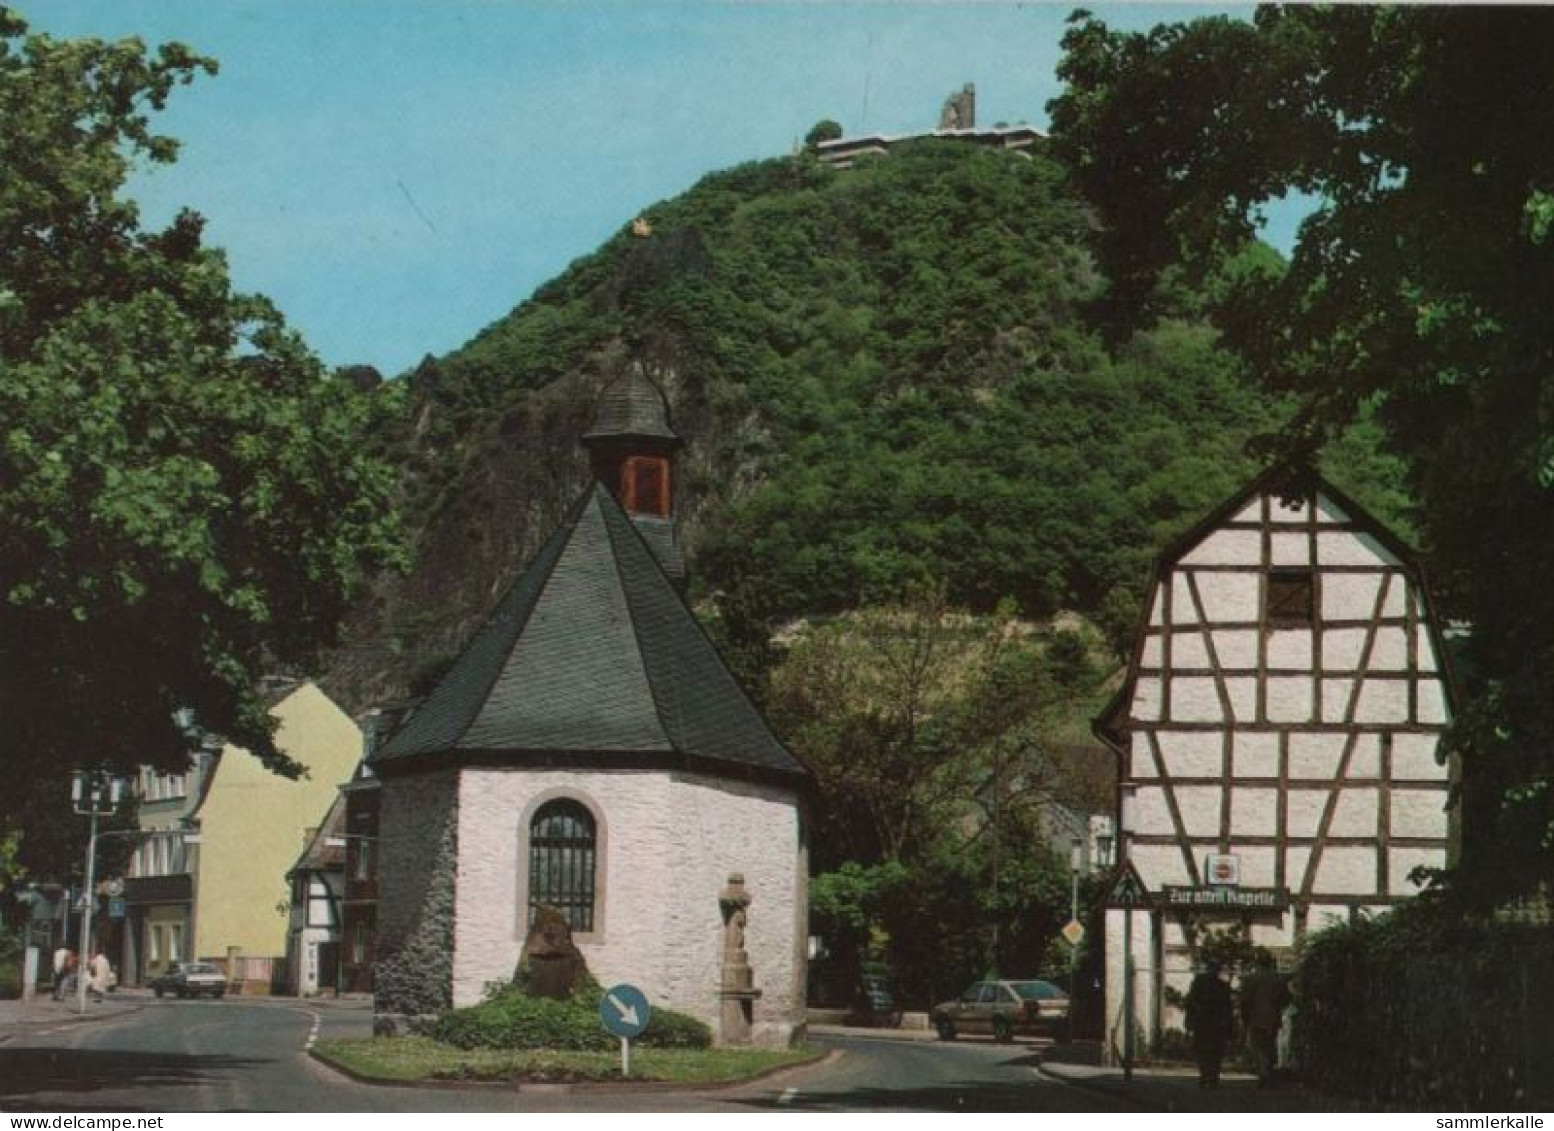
(1171, 1088)
(43, 1011)
(873, 1033)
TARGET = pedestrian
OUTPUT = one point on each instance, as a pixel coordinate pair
(1264, 994)
(61, 967)
(1209, 1019)
(101, 970)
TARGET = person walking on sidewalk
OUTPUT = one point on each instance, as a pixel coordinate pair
(1209, 1018)
(1264, 994)
(101, 970)
(64, 972)
(61, 961)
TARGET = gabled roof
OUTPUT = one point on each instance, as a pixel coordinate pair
(590, 659)
(318, 855)
(1279, 480)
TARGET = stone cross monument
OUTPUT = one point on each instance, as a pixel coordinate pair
(738, 993)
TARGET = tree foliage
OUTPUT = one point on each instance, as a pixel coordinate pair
(824, 130)
(928, 731)
(888, 375)
(185, 500)
(1417, 294)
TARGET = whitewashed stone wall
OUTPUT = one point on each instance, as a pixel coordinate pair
(669, 842)
(1308, 751)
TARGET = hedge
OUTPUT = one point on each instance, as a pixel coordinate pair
(510, 1019)
(1427, 1009)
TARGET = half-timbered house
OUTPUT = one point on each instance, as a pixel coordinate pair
(1278, 735)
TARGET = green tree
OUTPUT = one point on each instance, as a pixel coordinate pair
(1417, 296)
(926, 728)
(186, 501)
(823, 130)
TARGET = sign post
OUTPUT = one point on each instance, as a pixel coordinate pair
(624, 1010)
(1128, 895)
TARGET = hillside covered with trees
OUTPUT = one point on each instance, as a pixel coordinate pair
(888, 376)
(914, 436)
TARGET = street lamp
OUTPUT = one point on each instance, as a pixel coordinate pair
(92, 794)
(1127, 815)
(1105, 842)
(1076, 860)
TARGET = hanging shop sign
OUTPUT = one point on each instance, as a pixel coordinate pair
(1224, 899)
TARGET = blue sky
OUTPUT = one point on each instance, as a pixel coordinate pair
(398, 174)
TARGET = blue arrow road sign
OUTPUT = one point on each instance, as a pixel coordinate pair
(625, 1011)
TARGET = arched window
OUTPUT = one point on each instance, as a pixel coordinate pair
(561, 862)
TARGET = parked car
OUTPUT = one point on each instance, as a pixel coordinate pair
(1003, 1009)
(190, 979)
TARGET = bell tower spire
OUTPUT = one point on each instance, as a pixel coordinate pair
(631, 448)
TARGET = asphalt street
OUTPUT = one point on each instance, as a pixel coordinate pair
(250, 1055)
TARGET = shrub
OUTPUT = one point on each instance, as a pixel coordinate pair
(510, 1019)
(1426, 1006)
(667, 1029)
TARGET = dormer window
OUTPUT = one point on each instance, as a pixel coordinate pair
(1290, 599)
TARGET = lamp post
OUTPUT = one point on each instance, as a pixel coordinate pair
(91, 795)
(1127, 814)
(1076, 859)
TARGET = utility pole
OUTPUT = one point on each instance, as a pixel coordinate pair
(93, 795)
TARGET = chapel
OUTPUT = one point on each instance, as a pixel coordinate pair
(589, 751)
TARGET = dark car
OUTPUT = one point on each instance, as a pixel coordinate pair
(190, 979)
(1004, 1009)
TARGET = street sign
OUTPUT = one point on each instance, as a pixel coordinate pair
(114, 888)
(625, 1011)
(115, 909)
(1128, 892)
(1074, 932)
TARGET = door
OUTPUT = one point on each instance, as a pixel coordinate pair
(329, 967)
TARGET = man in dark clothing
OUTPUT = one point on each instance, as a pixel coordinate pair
(1264, 994)
(1209, 1018)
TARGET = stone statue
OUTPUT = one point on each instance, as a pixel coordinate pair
(550, 964)
(733, 901)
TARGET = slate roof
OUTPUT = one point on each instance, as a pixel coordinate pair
(631, 406)
(590, 659)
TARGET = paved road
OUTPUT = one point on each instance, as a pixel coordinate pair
(882, 1074)
(249, 1056)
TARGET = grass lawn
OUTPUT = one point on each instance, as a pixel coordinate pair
(421, 1058)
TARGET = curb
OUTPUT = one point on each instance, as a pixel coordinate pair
(595, 1086)
(1097, 1086)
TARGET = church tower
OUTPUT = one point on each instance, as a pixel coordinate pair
(631, 447)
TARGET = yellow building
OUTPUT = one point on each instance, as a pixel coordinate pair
(221, 893)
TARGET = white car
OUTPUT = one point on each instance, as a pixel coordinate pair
(190, 979)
